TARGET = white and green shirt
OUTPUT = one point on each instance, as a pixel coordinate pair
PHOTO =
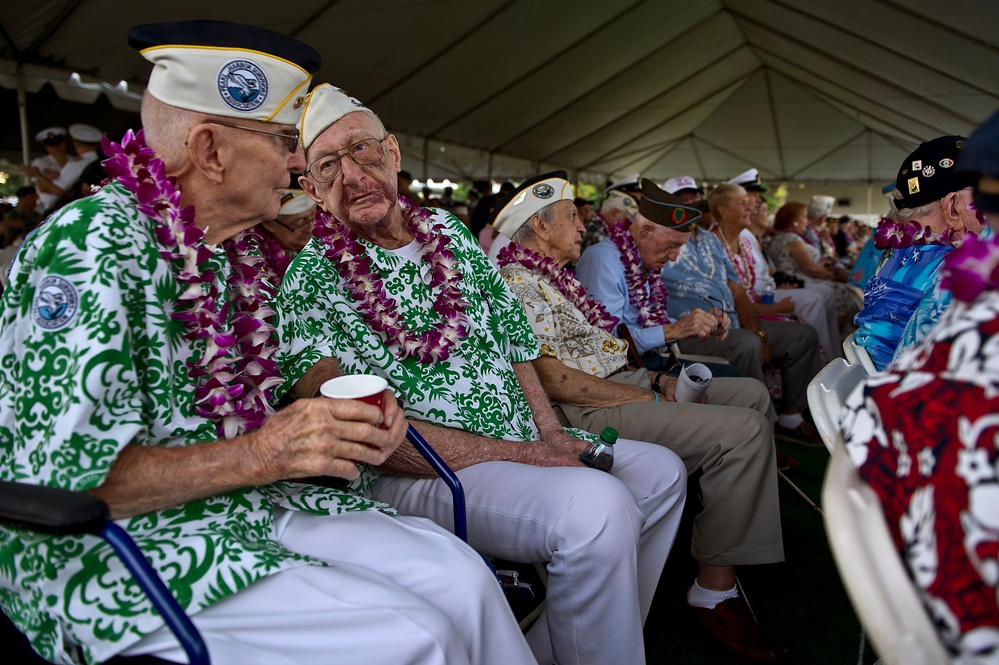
(475, 389)
(90, 362)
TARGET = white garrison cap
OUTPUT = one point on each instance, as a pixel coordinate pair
(85, 133)
(680, 183)
(50, 133)
(629, 184)
(295, 201)
(820, 205)
(534, 194)
(618, 200)
(227, 69)
(325, 105)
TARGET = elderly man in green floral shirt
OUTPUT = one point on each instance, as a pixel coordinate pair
(407, 294)
(138, 364)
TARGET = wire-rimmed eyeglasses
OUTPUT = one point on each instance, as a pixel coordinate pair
(291, 140)
(715, 302)
(326, 168)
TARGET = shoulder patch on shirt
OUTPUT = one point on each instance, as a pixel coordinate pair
(56, 303)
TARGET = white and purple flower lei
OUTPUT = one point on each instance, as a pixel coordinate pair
(647, 291)
(972, 268)
(563, 280)
(276, 258)
(896, 235)
(236, 390)
(379, 311)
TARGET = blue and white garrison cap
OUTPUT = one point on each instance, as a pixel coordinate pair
(227, 69)
(532, 195)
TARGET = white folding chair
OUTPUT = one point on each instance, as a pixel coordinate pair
(882, 593)
(826, 393)
(858, 355)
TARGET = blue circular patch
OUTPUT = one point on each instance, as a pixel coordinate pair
(56, 303)
(243, 85)
(544, 191)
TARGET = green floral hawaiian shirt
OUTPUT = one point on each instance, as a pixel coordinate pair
(475, 389)
(90, 362)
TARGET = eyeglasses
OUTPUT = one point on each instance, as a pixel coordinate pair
(716, 302)
(291, 140)
(367, 151)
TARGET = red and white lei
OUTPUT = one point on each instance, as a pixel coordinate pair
(381, 313)
(237, 371)
(647, 291)
(561, 279)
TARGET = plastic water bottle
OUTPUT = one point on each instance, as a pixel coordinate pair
(600, 454)
(767, 297)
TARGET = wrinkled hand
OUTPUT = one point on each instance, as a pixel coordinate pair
(697, 323)
(328, 437)
(540, 453)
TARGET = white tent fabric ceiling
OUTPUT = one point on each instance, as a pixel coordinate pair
(806, 91)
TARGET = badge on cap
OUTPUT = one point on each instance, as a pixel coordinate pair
(928, 171)
(242, 85)
(913, 185)
(543, 191)
(946, 163)
(917, 165)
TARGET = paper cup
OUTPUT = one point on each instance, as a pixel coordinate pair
(366, 388)
(693, 381)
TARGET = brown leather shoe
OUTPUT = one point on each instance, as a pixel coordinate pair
(805, 434)
(731, 624)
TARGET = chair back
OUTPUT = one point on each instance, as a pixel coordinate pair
(880, 589)
(858, 355)
(826, 394)
(634, 357)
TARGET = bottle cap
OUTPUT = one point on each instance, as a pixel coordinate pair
(609, 436)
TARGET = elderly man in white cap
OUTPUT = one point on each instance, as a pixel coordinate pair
(282, 238)
(685, 188)
(139, 366)
(728, 441)
(406, 293)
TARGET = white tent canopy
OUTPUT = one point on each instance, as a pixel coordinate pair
(808, 91)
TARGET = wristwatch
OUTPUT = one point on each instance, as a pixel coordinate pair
(762, 334)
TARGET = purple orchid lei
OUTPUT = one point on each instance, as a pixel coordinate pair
(561, 279)
(379, 311)
(647, 291)
(897, 235)
(972, 268)
(276, 257)
(234, 390)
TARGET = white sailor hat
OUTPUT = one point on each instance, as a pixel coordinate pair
(295, 201)
(227, 69)
(681, 183)
(514, 210)
(748, 180)
(325, 105)
(85, 133)
(629, 184)
(51, 135)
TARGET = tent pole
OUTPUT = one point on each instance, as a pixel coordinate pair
(22, 112)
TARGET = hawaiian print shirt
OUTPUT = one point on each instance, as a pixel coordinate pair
(699, 277)
(91, 362)
(475, 389)
(903, 278)
(923, 436)
(562, 329)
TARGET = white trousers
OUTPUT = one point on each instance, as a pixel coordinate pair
(399, 590)
(605, 538)
(816, 305)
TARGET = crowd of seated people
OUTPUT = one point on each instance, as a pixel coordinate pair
(210, 302)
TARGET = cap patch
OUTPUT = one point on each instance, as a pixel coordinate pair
(56, 303)
(243, 85)
(679, 216)
(928, 171)
(946, 163)
(917, 164)
(543, 191)
(913, 185)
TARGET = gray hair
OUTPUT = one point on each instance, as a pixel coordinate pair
(912, 214)
(526, 232)
(166, 129)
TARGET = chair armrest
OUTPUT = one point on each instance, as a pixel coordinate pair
(50, 509)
